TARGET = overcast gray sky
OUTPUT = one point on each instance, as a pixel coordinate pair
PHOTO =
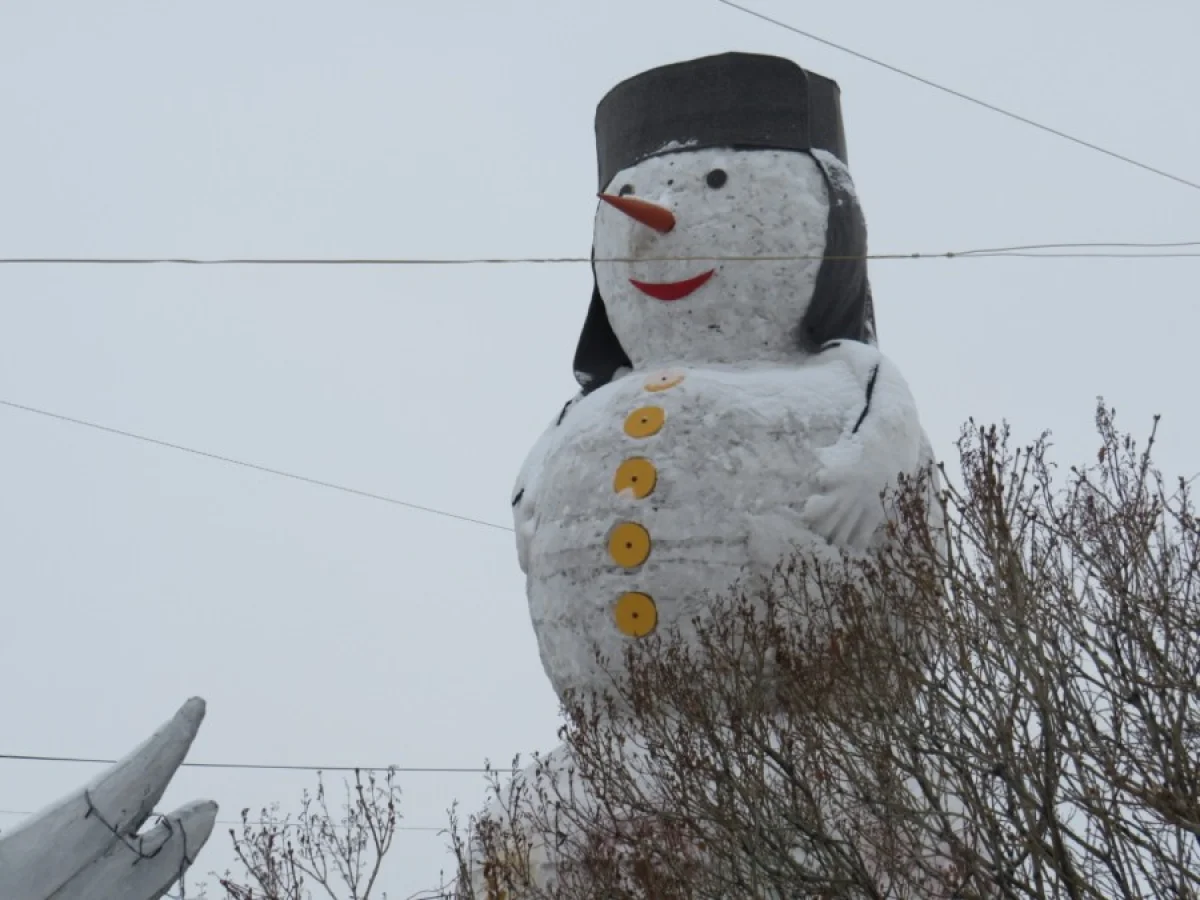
(327, 628)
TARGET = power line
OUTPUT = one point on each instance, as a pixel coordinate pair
(941, 87)
(1023, 250)
(1079, 245)
(249, 465)
(407, 770)
(257, 824)
(1127, 255)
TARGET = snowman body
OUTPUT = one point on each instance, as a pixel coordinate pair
(671, 486)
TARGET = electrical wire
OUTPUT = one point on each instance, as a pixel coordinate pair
(408, 770)
(249, 465)
(1021, 250)
(1081, 245)
(255, 824)
(1126, 255)
(959, 94)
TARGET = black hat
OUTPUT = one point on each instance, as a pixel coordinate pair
(733, 100)
(740, 101)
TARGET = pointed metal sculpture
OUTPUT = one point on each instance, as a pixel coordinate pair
(87, 846)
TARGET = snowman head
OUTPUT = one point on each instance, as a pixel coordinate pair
(736, 156)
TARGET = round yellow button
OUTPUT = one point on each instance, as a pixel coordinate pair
(636, 475)
(635, 614)
(629, 545)
(663, 381)
(644, 422)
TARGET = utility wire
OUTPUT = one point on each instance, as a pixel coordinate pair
(1023, 250)
(408, 770)
(249, 465)
(941, 87)
(25, 812)
(1015, 254)
(1079, 245)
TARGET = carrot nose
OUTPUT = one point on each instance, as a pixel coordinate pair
(650, 214)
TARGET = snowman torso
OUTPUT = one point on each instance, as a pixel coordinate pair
(666, 487)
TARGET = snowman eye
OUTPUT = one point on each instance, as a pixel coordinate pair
(625, 190)
(716, 178)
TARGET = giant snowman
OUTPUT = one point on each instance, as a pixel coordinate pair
(734, 408)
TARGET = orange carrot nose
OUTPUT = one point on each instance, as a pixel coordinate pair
(657, 217)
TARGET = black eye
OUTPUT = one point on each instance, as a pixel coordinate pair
(716, 178)
(625, 190)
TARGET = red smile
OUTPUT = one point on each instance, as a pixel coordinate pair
(672, 290)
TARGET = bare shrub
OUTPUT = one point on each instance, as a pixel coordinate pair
(1003, 708)
(337, 854)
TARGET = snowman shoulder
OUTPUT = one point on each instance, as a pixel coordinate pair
(859, 358)
(877, 376)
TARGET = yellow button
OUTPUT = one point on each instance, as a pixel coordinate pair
(629, 544)
(636, 475)
(663, 381)
(635, 614)
(645, 421)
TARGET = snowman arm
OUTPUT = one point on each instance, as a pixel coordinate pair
(888, 424)
(882, 438)
(884, 423)
(525, 491)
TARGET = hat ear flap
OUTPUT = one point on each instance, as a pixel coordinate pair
(598, 354)
(841, 306)
(872, 336)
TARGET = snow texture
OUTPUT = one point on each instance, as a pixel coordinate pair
(673, 146)
(837, 172)
(753, 463)
(774, 203)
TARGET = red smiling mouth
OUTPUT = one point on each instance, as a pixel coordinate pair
(672, 290)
